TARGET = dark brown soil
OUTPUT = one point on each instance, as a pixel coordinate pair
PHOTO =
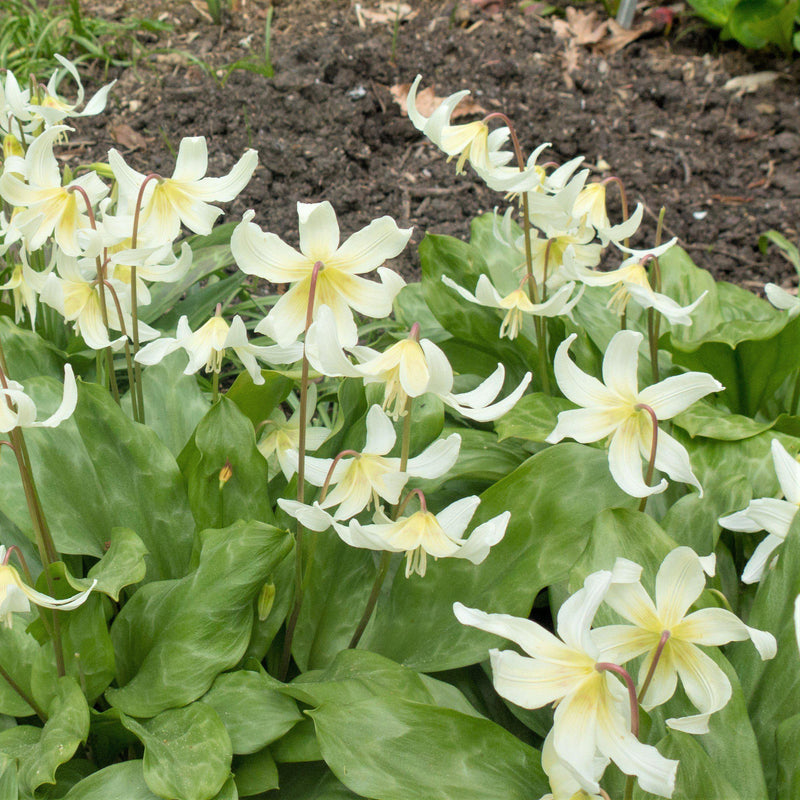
(326, 127)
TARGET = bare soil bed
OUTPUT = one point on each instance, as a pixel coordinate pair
(656, 113)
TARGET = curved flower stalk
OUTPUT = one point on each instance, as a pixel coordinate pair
(592, 707)
(17, 596)
(617, 409)
(338, 284)
(669, 635)
(75, 294)
(48, 208)
(371, 474)
(408, 368)
(471, 141)
(769, 514)
(632, 283)
(207, 345)
(23, 413)
(183, 199)
(517, 303)
(283, 435)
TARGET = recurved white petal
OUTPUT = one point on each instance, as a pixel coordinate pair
(625, 461)
(673, 458)
(319, 230)
(578, 611)
(483, 538)
(620, 364)
(585, 424)
(577, 386)
(437, 459)
(370, 247)
(68, 401)
(755, 568)
(380, 432)
(763, 514)
(455, 518)
(717, 626)
(267, 255)
(677, 393)
(788, 471)
(227, 187)
(312, 517)
(679, 582)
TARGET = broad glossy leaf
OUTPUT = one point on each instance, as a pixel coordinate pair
(772, 688)
(410, 307)
(173, 638)
(225, 436)
(298, 745)
(122, 565)
(27, 354)
(66, 727)
(18, 650)
(552, 497)
(257, 402)
(253, 711)
(711, 422)
(123, 781)
(93, 472)
(255, 773)
(788, 735)
(8, 778)
(717, 12)
(173, 402)
(757, 23)
(310, 782)
(392, 748)
(187, 752)
(533, 418)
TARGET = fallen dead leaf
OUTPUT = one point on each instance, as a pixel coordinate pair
(747, 84)
(619, 37)
(427, 102)
(584, 27)
(387, 13)
(127, 137)
(201, 8)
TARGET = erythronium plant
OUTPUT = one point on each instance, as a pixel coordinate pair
(171, 614)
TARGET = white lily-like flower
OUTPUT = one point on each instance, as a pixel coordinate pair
(75, 294)
(632, 283)
(665, 630)
(282, 435)
(424, 534)
(25, 285)
(371, 474)
(48, 207)
(517, 303)
(471, 141)
(157, 264)
(565, 783)
(186, 197)
(590, 205)
(769, 514)
(592, 707)
(783, 300)
(17, 596)
(408, 368)
(22, 412)
(338, 284)
(207, 345)
(617, 408)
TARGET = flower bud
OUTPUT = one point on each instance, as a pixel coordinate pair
(225, 474)
(266, 598)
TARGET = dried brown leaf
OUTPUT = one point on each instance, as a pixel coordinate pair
(620, 37)
(427, 102)
(125, 136)
(386, 13)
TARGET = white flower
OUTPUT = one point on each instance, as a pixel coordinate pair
(25, 285)
(48, 207)
(338, 283)
(782, 299)
(617, 408)
(679, 582)
(16, 596)
(156, 263)
(371, 474)
(23, 412)
(470, 142)
(207, 345)
(591, 206)
(408, 368)
(565, 783)
(592, 707)
(185, 197)
(769, 514)
(424, 534)
(517, 303)
(632, 283)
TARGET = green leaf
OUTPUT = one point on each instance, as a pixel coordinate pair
(255, 713)
(173, 402)
(257, 402)
(788, 250)
(788, 735)
(737, 337)
(121, 566)
(552, 497)
(533, 418)
(310, 782)
(173, 638)
(711, 422)
(28, 355)
(255, 773)
(757, 23)
(299, 745)
(187, 752)
(17, 652)
(717, 12)
(410, 307)
(410, 751)
(94, 472)
(66, 727)
(772, 688)
(9, 789)
(123, 781)
(225, 436)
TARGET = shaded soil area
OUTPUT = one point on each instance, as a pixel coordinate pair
(657, 113)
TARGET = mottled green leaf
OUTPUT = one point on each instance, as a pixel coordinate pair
(257, 402)
(123, 781)
(533, 418)
(255, 773)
